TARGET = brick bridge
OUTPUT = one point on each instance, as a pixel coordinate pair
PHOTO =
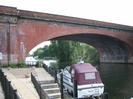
(21, 30)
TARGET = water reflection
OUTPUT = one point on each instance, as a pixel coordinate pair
(118, 80)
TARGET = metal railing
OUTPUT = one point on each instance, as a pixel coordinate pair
(9, 91)
(42, 94)
(51, 71)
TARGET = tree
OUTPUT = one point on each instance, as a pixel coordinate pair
(69, 52)
(61, 50)
(91, 55)
(39, 53)
(85, 52)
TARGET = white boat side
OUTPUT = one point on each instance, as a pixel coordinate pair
(84, 90)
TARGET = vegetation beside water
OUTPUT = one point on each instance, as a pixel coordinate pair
(16, 65)
(68, 52)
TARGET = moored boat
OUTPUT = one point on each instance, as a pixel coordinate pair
(88, 80)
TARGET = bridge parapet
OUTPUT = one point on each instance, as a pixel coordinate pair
(12, 11)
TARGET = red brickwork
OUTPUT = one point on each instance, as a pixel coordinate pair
(27, 29)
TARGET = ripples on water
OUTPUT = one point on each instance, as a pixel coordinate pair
(118, 80)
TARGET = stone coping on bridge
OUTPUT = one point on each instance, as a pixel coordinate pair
(13, 11)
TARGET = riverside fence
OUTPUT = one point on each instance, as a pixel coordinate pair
(9, 91)
(52, 71)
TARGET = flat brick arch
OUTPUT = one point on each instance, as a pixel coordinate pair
(22, 30)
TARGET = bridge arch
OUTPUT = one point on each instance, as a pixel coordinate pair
(113, 45)
(110, 49)
(26, 29)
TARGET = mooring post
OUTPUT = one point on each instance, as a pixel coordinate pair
(75, 94)
(105, 95)
(61, 86)
(55, 75)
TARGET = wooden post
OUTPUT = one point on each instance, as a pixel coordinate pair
(61, 86)
(9, 90)
(105, 96)
(55, 75)
(15, 94)
(75, 93)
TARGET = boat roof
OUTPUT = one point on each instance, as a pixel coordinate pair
(84, 67)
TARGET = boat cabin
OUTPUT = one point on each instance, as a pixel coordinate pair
(85, 73)
(88, 80)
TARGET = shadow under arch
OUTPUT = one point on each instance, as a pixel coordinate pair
(110, 49)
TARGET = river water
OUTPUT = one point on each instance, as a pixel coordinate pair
(118, 80)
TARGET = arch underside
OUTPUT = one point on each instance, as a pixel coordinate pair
(110, 49)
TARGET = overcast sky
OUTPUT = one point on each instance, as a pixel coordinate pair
(115, 11)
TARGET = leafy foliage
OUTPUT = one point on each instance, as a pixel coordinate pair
(20, 64)
(85, 52)
(42, 52)
(61, 50)
(68, 52)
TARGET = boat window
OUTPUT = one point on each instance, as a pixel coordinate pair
(68, 68)
(89, 76)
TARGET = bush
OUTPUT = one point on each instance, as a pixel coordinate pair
(15, 65)
(21, 65)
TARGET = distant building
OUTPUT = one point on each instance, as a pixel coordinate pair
(49, 62)
(30, 61)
